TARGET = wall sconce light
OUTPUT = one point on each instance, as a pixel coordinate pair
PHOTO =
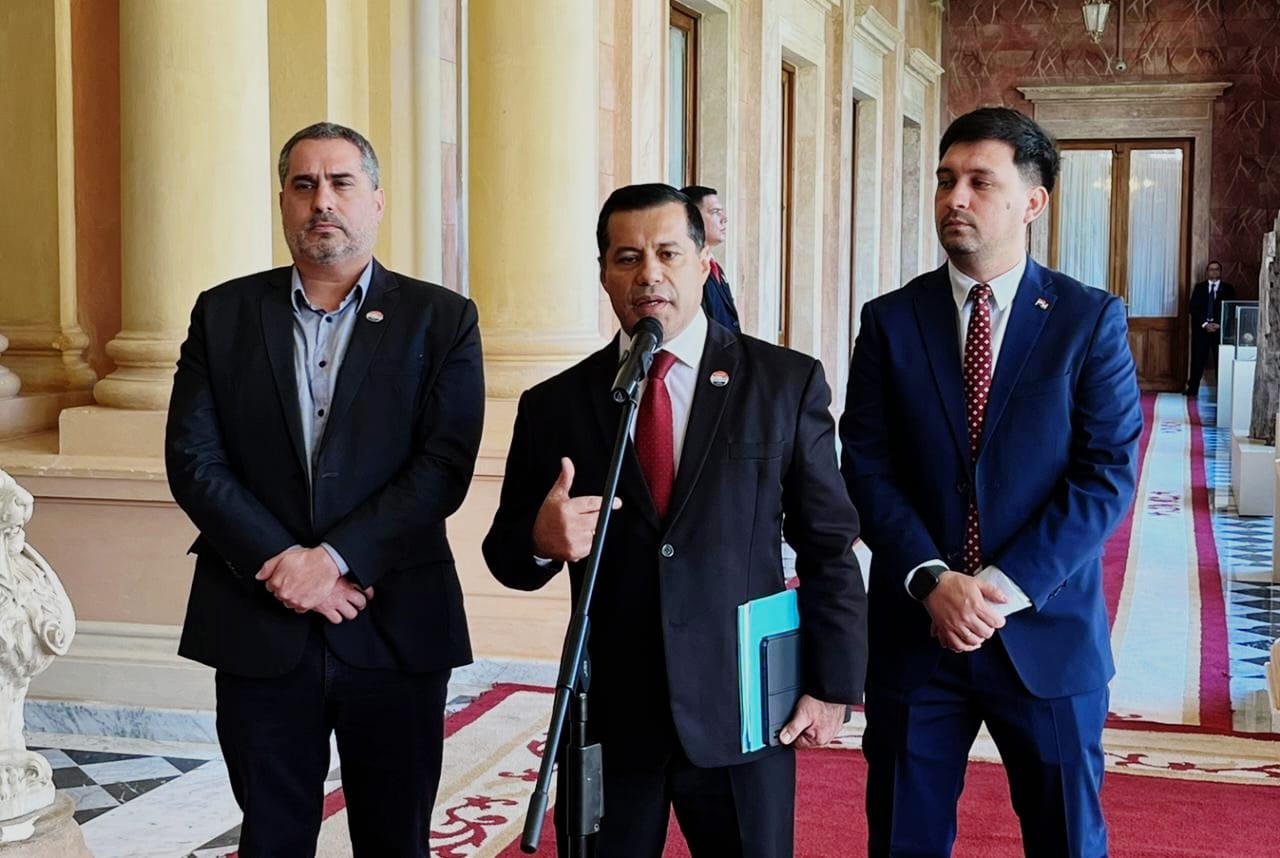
(1095, 19)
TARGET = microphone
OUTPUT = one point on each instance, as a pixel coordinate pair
(645, 340)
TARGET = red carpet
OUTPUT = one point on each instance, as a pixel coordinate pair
(1149, 817)
(1152, 689)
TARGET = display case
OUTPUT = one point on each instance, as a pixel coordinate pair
(1229, 316)
(1244, 329)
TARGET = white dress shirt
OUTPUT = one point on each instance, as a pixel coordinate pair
(1003, 289)
(681, 379)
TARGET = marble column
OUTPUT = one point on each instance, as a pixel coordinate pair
(532, 185)
(196, 188)
(37, 221)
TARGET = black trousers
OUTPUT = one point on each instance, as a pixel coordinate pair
(746, 810)
(1204, 347)
(275, 734)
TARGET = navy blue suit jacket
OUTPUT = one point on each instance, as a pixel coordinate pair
(717, 300)
(1054, 474)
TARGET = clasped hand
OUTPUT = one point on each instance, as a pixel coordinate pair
(307, 579)
(962, 618)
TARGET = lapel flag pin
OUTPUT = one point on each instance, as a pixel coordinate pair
(719, 378)
(1042, 303)
(374, 316)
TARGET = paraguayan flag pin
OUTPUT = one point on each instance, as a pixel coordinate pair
(374, 316)
(1042, 303)
(719, 378)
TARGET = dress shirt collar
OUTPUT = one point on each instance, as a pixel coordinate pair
(1213, 284)
(357, 293)
(686, 346)
(1003, 287)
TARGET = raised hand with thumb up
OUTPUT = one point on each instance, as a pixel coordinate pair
(565, 525)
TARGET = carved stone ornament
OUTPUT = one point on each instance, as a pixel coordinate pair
(36, 624)
(10, 384)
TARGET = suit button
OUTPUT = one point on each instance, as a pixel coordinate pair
(668, 550)
(962, 488)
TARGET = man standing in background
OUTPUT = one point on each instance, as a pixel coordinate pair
(324, 422)
(717, 300)
(1205, 309)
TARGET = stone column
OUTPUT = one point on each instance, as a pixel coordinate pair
(37, 221)
(533, 196)
(196, 189)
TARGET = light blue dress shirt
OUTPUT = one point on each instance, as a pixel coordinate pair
(320, 339)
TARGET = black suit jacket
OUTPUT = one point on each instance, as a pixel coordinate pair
(396, 459)
(758, 460)
(1198, 306)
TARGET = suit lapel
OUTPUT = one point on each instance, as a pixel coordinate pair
(383, 296)
(277, 330)
(719, 353)
(936, 316)
(1032, 305)
(604, 366)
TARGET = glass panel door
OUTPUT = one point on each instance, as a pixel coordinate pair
(1083, 221)
(1155, 227)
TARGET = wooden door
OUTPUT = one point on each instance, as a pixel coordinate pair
(1120, 221)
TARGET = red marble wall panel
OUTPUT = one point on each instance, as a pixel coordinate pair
(990, 47)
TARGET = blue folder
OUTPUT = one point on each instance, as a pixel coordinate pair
(758, 620)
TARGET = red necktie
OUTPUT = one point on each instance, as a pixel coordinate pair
(715, 272)
(655, 438)
(977, 385)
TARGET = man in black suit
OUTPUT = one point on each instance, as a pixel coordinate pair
(717, 299)
(324, 422)
(1205, 309)
(733, 449)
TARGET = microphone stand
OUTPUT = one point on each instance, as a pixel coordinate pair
(582, 761)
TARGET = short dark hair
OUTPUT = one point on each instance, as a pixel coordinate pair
(1035, 153)
(332, 131)
(634, 198)
(695, 193)
(1214, 262)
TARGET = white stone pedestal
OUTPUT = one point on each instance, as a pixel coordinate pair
(1226, 366)
(1242, 395)
(47, 833)
(1273, 675)
(1253, 468)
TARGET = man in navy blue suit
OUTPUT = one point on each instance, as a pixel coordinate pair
(717, 298)
(990, 447)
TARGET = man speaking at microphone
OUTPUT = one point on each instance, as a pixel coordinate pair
(733, 448)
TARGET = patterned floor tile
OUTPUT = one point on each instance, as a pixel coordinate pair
(1245, 558)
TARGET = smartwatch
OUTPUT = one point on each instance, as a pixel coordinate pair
(924, 580)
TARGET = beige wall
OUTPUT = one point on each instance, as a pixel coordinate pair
(402, 71)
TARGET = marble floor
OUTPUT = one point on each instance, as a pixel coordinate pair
(1252, 598)
(168, 797)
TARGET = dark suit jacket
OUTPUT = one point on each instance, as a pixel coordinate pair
(758, 460)
(1198, 306)
(1055, 469)
(395, 460)
(717, 300)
